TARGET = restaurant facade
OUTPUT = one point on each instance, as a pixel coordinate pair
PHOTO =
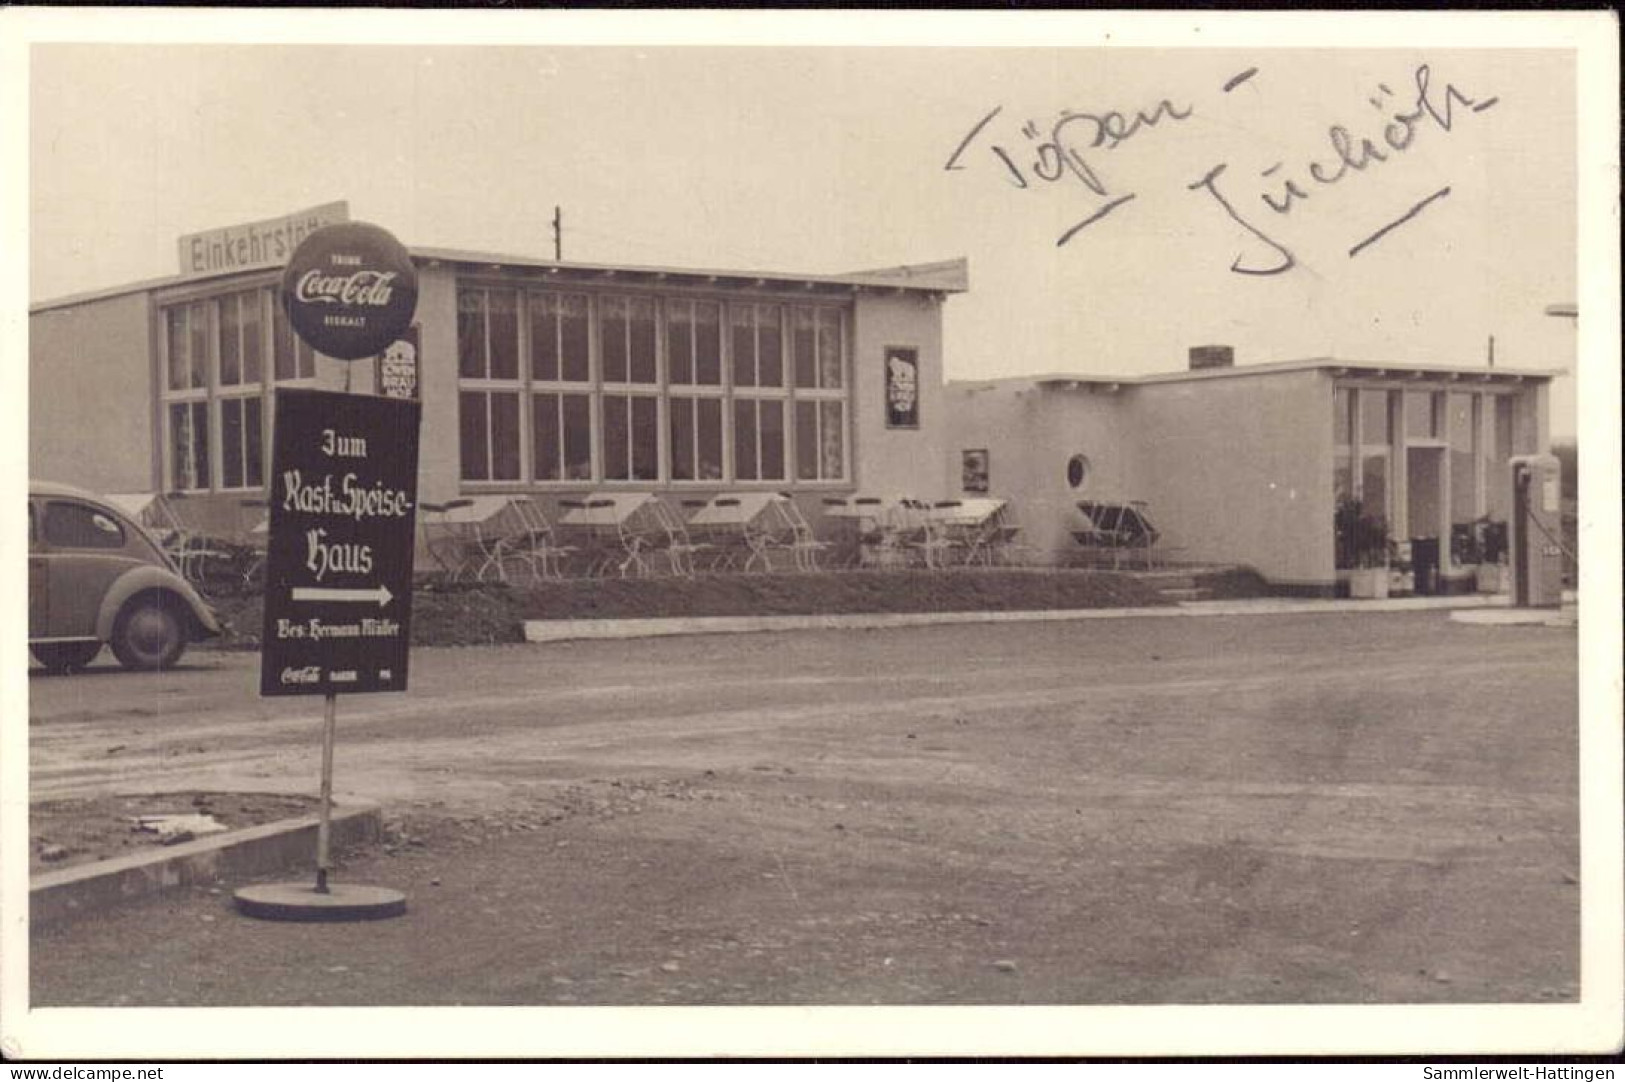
(535, 376)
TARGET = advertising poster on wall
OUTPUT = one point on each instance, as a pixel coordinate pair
(902, 387)
(397, 366)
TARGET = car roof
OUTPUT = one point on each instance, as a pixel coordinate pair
(56, 488)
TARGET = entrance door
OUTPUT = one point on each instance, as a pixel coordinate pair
(1427, 514)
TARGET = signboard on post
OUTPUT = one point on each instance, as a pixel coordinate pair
(338, 563)
(338, 572)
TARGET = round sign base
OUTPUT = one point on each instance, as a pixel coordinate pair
(301, 901)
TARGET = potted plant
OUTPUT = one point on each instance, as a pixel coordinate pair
(1492, 555)
(1364, 548)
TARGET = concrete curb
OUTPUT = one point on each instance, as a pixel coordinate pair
(567, 630)
(273, 847)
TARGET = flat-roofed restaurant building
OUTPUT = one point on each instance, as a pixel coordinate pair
(559, 378)
(1246, 464)
(552, 378)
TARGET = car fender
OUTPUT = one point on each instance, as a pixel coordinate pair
(140, 579)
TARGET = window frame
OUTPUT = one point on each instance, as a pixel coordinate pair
(673, 313)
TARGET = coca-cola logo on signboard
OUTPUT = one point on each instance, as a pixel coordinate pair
(350, 290)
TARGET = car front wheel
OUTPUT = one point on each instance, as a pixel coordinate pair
(149, 635)
(60, 657)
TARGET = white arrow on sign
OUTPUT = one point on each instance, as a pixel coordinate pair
(379, 593)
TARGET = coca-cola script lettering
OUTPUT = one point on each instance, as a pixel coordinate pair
(350, 290)
(370, 288)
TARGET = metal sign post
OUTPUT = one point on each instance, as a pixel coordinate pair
(338, 568)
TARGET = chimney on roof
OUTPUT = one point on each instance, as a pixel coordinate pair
(1212, 357)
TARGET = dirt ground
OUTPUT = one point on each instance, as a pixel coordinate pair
(1338, 808)
(65, 833)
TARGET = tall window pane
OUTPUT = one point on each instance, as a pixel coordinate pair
(197, 318)
(612, 334)
(253, 340)
(180, 349)
(1462, 424)
(1374, 484)
(641, 344)
(617, 452)
(708, 343)
(253, 444)
(231, 443)
(577, 437)
(472, 429)
(189, 445)
(504, 437)
(544, 338)
(745, 468)
(294, 359)
(645, 439)
(1420, 416)
(231, 338)
(1373, 417)
(502, 308)
(769, 346)
(680, 341)
(832, 447)
(546, 438)
(1342, 416)
(744, 345)
(682, 439)
(471, 334)
(804, 346)
(806, 441)
(771, 418)
(830, 363)
(573, 337)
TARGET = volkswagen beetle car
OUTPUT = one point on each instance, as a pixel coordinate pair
(96, 577)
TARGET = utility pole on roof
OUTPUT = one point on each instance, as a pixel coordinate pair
(558, 235)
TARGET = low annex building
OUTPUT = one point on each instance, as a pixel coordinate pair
(1246, 464)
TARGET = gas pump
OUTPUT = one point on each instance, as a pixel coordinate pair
(1536, 531)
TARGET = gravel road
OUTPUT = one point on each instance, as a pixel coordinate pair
(1339, 808)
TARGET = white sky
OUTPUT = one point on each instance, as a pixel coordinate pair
(832, 159)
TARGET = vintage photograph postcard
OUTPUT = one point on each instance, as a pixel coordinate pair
(831, 534)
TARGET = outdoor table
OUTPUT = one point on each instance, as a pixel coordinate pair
(750, 522)
(455, 536)
(631, 522)
(975, 525)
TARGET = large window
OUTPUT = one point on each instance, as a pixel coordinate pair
(1373, 428)
(216, 382)
(758, 439)
(696, 439)
(562, 437)
(627, 329)
(488, 424)
(629, 388)
(188, 446)
(631, 438)
(488, 405)
(558, 338)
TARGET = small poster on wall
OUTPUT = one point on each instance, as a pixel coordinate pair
(973, 470)
(902, 387)
(397, 367)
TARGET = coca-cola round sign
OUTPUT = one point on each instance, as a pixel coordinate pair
(350, 290)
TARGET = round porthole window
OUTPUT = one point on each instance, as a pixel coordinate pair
(1077, 470)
